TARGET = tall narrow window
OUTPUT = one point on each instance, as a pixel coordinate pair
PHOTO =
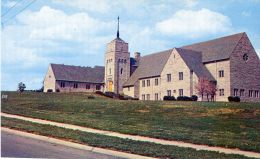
(221, 73)
(235, 92)
(143, 96)
(156, 97)
(143, 83)
(62, 84)
(256, 94)
(156, 82)
(75, 85)
(110, 71)
(169, 93)
(250, 93)
(221, 92)
(180, 92)
(180, 75)
(169, 77)
(87, 86)
(242, 92)
(98, 87)
(147, 96)
(148, 83)
(121, 71)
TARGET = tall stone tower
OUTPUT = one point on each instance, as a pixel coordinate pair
(117, 64)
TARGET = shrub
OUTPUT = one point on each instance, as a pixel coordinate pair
(109, 94)
(49, 90)
(234, 99)
(57, 90)
(99, 92)
(91, 97)
(170, 98)
(194, 98)
(184, 98)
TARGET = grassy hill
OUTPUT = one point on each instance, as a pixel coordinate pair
(235, 125)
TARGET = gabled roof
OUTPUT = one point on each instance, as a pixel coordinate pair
(78, 73)
(193, 60)
(217, 49)
(149, 66)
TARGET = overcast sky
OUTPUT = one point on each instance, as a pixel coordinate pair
(75, 32)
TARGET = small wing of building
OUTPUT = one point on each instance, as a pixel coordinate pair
(67, 78)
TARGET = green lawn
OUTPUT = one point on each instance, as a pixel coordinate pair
(114, 143)
(234, 125)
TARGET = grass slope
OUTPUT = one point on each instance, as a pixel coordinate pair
(114, 143)
(234, 125)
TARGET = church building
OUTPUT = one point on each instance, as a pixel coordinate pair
(230, 62)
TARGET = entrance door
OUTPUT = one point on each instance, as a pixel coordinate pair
(110, 85)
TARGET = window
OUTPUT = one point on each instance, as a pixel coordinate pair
(110, 71)
(169, 77)
(143, 83)
(156, 82)
(250, 93)
(235, 92)
(148, 83)
(75, 85)
(143, 97)
(256, 94)
(156, 97)
(180, 92)
(128, 88)
(169, 93)
(245, 57)
(62, 84)
(121, 71)
(180, 75)
(147, 96)
(242, 92)
(221, 73)
(87, 86)
(221, 92)
(98, 87)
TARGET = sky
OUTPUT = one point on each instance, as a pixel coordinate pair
(76, 32)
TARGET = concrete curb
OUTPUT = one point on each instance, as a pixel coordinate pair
(138, 138)
(75, 145)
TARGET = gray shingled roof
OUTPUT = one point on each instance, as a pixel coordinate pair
(150, 66)
(193, 60)
(217, 49)
(78, 73)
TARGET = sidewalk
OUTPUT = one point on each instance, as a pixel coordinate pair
(138, 138)
(76, 145)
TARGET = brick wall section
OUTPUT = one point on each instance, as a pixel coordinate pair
(245, 74)
(222, 82)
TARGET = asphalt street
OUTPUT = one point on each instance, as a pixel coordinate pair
(23, 147)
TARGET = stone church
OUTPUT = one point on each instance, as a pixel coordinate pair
(231, 62)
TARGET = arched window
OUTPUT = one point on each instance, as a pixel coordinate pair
(121, 70)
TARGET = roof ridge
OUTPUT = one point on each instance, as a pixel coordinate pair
(223, 37)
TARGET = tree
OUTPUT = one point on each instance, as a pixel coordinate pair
(206, 87)
(201, 87)
(21, 86)
(211, 90)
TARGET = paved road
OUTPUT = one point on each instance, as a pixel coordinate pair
(23, 147)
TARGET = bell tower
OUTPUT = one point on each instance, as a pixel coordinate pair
(117, 64)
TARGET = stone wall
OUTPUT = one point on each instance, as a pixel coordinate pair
(245, 74)
(69, 87)
(49, 80)
(222, 82)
